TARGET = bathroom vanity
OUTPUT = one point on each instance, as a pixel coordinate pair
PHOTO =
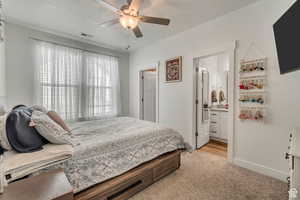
(218, 124)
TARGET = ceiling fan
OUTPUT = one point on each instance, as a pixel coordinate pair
(130, 18)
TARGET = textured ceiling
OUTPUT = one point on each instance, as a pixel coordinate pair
(75, 16)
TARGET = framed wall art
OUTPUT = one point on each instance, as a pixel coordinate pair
(174, 70)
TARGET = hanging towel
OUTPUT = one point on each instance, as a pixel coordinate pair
(221, 96)
(214, 96)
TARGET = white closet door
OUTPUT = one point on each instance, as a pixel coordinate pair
(149, 96)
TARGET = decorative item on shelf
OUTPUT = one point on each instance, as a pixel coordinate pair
(252, 84)
(250, 98)
(174, 70)
(256, 114)
(253, 89)
(253, 66)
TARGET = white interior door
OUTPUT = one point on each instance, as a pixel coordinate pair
(202, 112)
(149, 96)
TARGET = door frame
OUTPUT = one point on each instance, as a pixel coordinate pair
(156, 68)
(231, 49)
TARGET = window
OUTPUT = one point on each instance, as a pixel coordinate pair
(75, 83)
(101, 85)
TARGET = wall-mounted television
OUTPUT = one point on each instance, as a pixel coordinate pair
(287, 36)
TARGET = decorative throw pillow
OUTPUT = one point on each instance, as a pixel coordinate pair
(3, 137)
(49, 129)
(22, 137)
(55, 117)
(39, 108)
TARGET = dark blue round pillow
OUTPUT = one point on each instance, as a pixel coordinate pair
(21, 137)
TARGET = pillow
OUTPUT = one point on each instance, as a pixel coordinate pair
(49, 129)
(55, 117)
(39, 108)
(3, 137)
(22, 137)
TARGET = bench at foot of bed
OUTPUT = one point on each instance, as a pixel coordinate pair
(133, 181)
(52, 185)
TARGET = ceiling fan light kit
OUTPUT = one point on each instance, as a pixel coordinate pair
(129, 22)
(129, 16)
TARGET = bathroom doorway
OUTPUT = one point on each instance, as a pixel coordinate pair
(214, 102)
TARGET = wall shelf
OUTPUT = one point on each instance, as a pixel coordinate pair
(252, 89)
(253, 107)
(252, 76)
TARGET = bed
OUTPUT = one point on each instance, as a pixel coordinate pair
(117, 147)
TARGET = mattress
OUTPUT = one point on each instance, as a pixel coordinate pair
(111, 147)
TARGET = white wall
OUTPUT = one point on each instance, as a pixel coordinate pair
(257, 146)
(19, 64)
(2, 73)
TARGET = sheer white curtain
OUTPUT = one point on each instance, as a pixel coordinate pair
(59, 79)
(75, 83)
(102, 86)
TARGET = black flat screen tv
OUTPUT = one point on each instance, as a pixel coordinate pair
(287, 36)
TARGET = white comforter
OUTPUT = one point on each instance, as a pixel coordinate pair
(111, 147)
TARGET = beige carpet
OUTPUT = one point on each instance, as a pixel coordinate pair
(204, 176)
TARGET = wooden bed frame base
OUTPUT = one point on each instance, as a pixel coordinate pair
(133, 181)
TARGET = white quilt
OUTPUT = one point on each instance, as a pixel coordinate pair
(108, 148)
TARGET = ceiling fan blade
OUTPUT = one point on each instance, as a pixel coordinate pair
(155, 20)
(137, 32)
(109, 23)
(134, 5)
(108, 6)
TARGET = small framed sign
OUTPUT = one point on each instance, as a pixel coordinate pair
(174, 70)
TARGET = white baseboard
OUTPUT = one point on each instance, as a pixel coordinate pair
(261, 169)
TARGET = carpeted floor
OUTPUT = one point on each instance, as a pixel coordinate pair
(204, 176)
